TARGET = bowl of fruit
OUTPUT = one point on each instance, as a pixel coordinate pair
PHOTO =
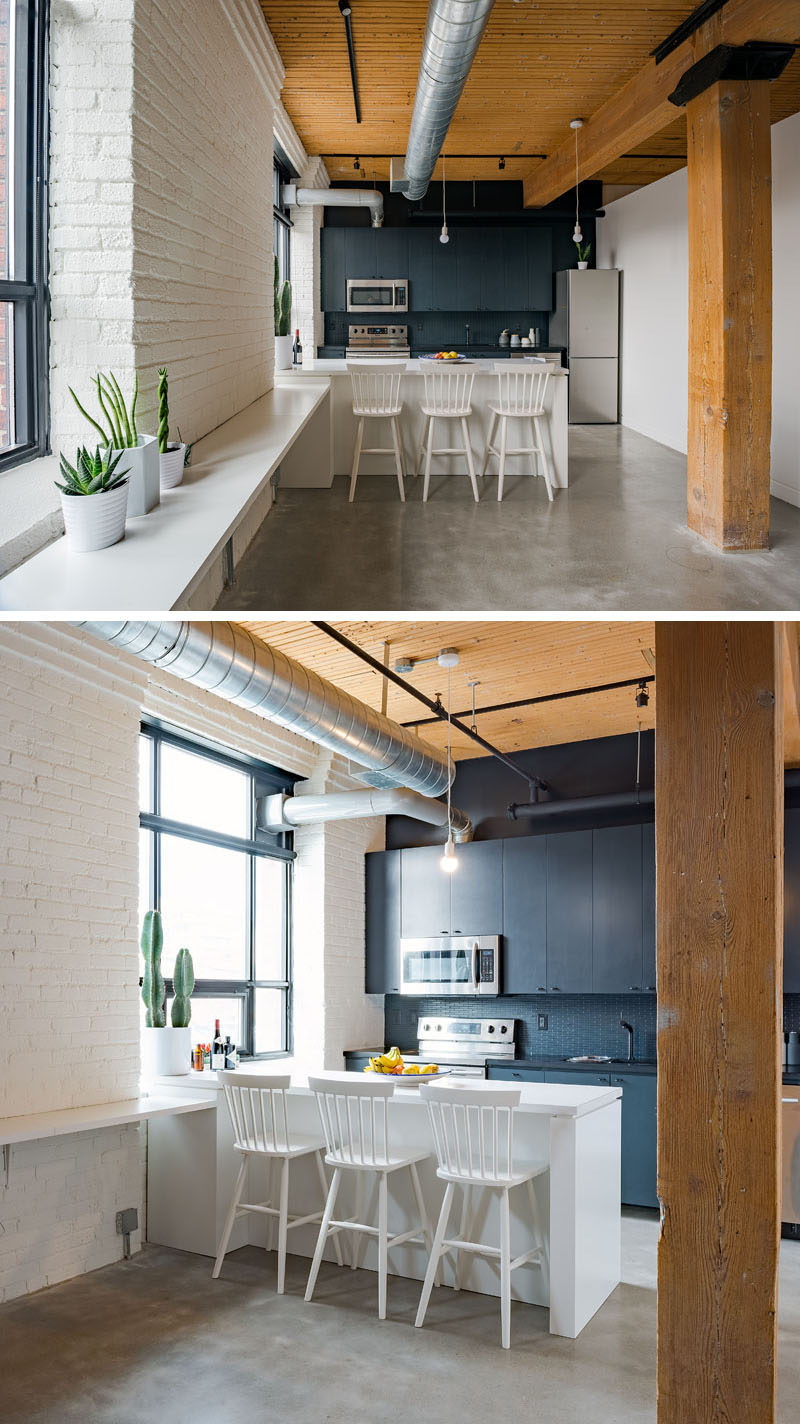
(445, 356)
(408, 1075)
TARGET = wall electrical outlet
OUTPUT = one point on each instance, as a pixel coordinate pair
(542, 1023)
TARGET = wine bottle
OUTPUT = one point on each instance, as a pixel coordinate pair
(297, 350)
(217, 1048)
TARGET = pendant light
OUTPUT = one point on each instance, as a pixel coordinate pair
(577, 235)
(444, 235)
(448, 861)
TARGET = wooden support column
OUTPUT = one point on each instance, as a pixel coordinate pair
(719, 849)
(730, 313)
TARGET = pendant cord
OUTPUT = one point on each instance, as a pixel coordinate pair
(577, 214)
(449, 767)
(444, 191)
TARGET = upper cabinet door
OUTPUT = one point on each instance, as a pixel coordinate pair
(539, 251)
(333, 272)
(446, 290)
(512, 269)
(421, 278)
(391, 248)
(617, 910)
(470, 260)
(362, 252)
(649, 909)
(382, 896)
(791, 904)
(569, 912)
(525, 915)
(476, 888)
(425, 895)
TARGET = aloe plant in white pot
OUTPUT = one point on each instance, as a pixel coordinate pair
(120, 431)
(167, 1049)
(94, 498)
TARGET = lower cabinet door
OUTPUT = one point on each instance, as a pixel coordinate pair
(356, 1062)
(639, 1137)
(576, 1076)
(519, 1075)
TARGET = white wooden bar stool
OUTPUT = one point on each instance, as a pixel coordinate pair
(447, 396)
(521, 397)
(474, 1136)
(355, 1121)
(259, 1113)
(376, 396)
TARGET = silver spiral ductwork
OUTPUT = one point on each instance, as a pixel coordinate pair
(224, 658)
(370, 198)
(453, 32)
(281, 812)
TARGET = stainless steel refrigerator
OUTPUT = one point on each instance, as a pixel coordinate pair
(586, 322)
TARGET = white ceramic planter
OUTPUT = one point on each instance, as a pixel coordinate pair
(582, 266)
(166, 1052)
(94, 521)
(170, 466)
(283, 352)
(143, 483)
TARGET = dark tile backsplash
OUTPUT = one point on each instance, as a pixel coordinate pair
(438, 330)
(577, 1023)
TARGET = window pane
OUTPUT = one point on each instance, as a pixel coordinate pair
(202, 792)
(145, 765)
(7, 15)
(270, 1016)
(270, 881)
(204, 907)
(145, 851)
(206, 1010)
(7, 425)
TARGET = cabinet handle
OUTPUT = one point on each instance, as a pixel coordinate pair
(555, 989)
(636, 988)
(651, 988)
(541, 989)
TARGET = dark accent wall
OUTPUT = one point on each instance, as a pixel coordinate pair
(483, 787)
(436, 331)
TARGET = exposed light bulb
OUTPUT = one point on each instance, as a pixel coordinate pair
(449, 862)
(577, 235)
(444, 235)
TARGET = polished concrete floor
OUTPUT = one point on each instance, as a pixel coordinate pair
(615, 540)
(152, 1339)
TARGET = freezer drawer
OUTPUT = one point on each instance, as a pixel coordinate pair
(593, 395)
(790, 1110)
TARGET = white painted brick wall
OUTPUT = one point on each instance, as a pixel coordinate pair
(69, 720)
(306, 261)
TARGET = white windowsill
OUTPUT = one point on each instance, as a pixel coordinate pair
(31, 510)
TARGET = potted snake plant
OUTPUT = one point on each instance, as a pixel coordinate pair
(283, 322)
(171, 453)
(94, 498)
(119, 430)
(584, 253)
(167, 1047)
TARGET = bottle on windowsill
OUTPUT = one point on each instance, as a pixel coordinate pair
(217, 1049)
(297, 350)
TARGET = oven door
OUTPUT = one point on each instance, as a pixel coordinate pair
(376, 294)
(450, 965)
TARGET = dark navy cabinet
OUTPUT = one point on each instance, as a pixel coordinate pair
(525, 915)
(649, 908)
(470, 901)
(509, 1073)
(425, 894)
(333, 268)
(569, 912)
(639, 1137)
(382, 897)
(617, 910)
(791, 903)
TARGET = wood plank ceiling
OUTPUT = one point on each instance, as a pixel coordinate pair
(511, 660)
(538, 66)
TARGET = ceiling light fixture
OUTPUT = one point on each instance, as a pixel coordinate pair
(501, 165)
(344, 9)
(444, 235)
(448, 861)
(577, 235)
(356, 163)
(642, 694)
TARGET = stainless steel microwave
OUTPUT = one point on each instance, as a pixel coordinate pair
(450, 964)
(371, 294)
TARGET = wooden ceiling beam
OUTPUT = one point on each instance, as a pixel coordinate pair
(641, 108)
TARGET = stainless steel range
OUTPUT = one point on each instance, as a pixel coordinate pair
(462, 1045)
(378, 341)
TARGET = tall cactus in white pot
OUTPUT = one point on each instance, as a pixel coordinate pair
(283, 321)
(167, 1048)
(171, 453)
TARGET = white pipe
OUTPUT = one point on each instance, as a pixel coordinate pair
(335, 198)
(281, 812)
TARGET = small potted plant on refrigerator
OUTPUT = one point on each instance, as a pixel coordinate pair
(283, 322)
(171, 453)
(167, 1050)
(584, 254)
(120, 431)
(94, 498)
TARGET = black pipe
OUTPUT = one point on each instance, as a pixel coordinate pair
(686, 28)
(440, 715)
(351, 55)
(617, 801)
(546, 697)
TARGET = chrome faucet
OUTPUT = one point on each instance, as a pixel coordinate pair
(466, 328)
(629, 1030)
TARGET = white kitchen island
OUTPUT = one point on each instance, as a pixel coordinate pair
(575, 1129)
(297, 473)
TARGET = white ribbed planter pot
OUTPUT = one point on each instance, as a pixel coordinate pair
(582, 266)
(144, 491)
(170, 466)
(166, 1052)
(94, 521)
(283, 352)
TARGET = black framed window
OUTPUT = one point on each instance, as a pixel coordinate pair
(24, 306)
(224, 887)
(281, 222)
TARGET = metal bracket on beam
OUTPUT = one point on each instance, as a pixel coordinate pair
(755, 60)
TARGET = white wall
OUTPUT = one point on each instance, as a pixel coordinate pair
(70, 710)
(646, 236)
